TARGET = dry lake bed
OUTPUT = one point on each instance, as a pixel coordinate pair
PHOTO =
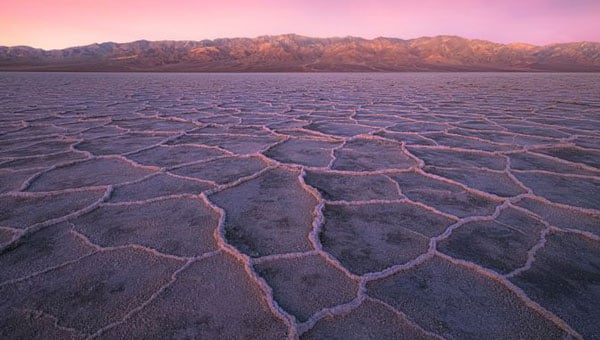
(318, 206)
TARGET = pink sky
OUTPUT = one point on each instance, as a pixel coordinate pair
(62, 23)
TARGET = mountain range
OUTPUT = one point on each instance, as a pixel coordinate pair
(295, 53)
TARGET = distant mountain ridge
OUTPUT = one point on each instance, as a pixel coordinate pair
(295, 53)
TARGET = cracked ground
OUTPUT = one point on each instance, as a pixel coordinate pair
(313, 206)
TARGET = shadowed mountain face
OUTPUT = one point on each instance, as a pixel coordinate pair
(295, 53)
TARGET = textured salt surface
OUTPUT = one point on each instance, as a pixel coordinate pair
(299, 206)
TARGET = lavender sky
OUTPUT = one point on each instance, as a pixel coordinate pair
(61, 23)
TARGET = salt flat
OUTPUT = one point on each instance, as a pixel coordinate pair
(318, 206)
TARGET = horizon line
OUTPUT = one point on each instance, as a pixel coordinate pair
(304, 36)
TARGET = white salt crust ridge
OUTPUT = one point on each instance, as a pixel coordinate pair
(219, 234)
(405, 318)
(508, 171)
(516, 290)
(56, 322)
(138, 308)
(32, 229)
